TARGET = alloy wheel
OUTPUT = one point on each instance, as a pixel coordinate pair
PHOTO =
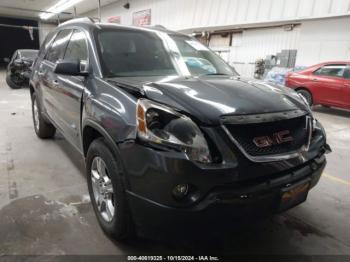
(102, 189)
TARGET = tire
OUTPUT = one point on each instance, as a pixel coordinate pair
(42, 128)
(307, 95)
(11, 83)
(116, 222)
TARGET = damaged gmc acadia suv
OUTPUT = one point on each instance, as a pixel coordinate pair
(171, 134)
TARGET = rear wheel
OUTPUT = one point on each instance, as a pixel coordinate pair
(41, 127)
(107, 191)
(307, 95)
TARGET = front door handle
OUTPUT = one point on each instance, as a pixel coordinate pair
(314, 79)
(40, 73)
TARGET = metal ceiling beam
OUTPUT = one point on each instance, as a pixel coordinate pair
(99, 9)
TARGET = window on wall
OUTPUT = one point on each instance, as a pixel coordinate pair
(219, 41)
(331, 70)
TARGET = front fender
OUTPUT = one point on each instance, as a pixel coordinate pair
(110, 141)
(111, 108)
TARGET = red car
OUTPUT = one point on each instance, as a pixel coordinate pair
(325, 84)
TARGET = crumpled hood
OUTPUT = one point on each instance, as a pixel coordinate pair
(209, 98)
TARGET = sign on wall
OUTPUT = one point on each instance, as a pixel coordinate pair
(142, 18)
(114, 19)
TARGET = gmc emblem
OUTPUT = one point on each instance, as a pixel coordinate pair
(276, 139)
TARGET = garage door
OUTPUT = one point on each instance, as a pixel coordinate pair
(17, 34)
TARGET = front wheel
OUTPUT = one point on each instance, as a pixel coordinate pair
(307, 95)
(107, 191)
(14, 81)
(41, 127)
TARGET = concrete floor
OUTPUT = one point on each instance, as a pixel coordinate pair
(45, 209)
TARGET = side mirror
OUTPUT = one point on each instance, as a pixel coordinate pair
(7, 60)
(73, 68)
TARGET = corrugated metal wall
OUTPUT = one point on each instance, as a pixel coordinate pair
(190, 14)
(255, 44)
(315, 40)
(324, 40)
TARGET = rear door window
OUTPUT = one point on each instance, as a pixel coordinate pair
(331, 70)
(58, 47)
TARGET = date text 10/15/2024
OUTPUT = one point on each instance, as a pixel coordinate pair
(173, 258)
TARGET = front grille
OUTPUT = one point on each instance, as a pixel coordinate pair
(244, 134)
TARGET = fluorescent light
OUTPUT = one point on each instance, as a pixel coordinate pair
(58, 8)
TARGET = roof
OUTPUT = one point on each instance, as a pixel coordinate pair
(331, 62)
(87, 22)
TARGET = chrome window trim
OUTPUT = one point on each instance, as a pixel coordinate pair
(277, 157)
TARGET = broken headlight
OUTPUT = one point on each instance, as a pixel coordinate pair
(164, 126)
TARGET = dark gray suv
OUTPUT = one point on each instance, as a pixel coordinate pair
(171, 134)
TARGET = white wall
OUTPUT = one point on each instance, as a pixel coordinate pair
(324, 40)
(195, 14)
(315, 39)
(256, 44)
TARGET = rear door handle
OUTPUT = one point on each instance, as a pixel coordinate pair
(40, 73)
(314, 79)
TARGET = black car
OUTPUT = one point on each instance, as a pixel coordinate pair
(20, 68)
(171, 134)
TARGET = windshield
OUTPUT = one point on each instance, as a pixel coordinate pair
(135, 53)
(199, 59)
(28, 53)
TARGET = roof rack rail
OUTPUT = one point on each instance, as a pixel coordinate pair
(160, 27)
(81, 19)
(157, 27)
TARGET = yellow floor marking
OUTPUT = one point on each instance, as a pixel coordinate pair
(337, 179)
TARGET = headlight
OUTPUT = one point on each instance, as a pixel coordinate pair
(304, 100)
(318, 126)
(164, 126)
